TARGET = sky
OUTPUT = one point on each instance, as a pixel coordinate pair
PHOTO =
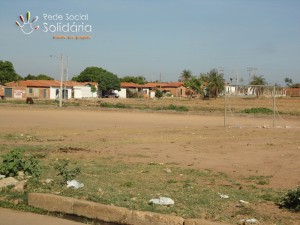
(157, 39)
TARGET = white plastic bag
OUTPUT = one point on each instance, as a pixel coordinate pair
(75, 184)
(162, 201)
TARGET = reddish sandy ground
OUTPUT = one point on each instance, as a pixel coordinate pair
(197, 141)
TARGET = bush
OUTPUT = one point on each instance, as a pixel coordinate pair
(258, 110)
(65, 171)
(16, 161)
(158, 94)
(292, 200)
(178, 108)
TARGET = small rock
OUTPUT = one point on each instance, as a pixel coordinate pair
(223, 196)
(9, 181)
(20, 186)
(168, 170)
(21, 175)
(48, 181)
(243, 202)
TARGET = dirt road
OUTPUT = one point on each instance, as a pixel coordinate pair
(196, 141)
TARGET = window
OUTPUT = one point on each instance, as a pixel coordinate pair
(30, 91)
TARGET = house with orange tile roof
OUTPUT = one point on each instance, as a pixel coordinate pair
(48, 89)
(173, 89)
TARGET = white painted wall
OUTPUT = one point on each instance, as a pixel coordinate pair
(121, 93)
(84, 92)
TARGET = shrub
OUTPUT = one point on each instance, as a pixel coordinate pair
(16, 161)
(292, 200)
(258, 110)
(65, 171)
(178, 108)
(158, 94)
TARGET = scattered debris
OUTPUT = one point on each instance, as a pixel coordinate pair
(250, 221)
(47, 181)
(162, 201)
(243, 202)
(223, 196)
(75, 184)
(168, 170)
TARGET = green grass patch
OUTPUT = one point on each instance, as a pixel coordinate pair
(117, 105)
(132, 185)
(258, 111)
(173, 107)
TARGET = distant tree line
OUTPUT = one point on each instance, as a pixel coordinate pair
(211, 83)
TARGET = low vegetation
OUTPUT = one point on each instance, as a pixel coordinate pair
(291, 200)
(196, 192)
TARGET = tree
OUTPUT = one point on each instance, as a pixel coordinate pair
(288, 81)
(215, 82)
(195, 84)
(106, 80)
(185, 75)
(38, 77)
(260, 81)
(133, 79)
(7, 72)
(89, 74)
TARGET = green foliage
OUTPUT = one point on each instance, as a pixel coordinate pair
(38, 77)
(258, 80)
(133, 79)
(195, 84)
(173, 107)
(105, 79)
(65, 171)
(257, 110)
(118, 105)
(16, 161)
(292, 200)
(185, 75)
(7, 72)
(216, 83)
(158, 94)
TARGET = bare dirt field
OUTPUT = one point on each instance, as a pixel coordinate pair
(185, 139)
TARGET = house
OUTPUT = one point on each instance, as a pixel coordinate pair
(173, 89)
(49, 89)
(38, 89)
(292, 92)
(83, 89)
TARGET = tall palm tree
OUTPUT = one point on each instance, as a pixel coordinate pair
(186, 75)
(216, 83)
(258, 80)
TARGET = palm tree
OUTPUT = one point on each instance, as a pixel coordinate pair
(186, 75)
(258, 80)
(216, 83)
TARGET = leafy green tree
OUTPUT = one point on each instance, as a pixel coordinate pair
(258, 80)
(106, 80)
(215, 83)
(133, 79)
(38, 77)
(89, 74)
(185, 75)
(7, 72)
(195, 84)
